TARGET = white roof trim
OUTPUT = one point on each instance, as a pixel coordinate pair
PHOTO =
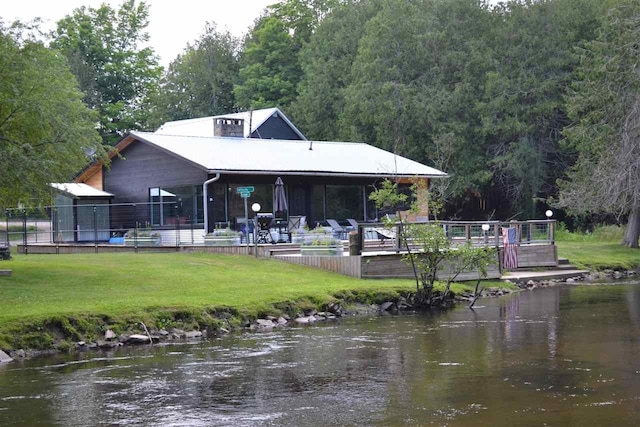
(79, 189)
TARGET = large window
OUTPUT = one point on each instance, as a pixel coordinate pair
(262, 194)
(345, 201)
(171, 205)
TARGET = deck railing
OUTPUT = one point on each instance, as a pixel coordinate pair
(98, 224)
(478, 233)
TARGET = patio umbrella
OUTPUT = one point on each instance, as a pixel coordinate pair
(279, 198)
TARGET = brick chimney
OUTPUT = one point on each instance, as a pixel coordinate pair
(227, 127)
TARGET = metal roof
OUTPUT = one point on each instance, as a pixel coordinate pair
(272, 156)
(203, 126)
(79, 189)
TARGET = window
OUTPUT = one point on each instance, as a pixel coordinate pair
(171, 205)
(345, 201)
(262, 194)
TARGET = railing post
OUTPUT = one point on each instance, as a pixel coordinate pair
(467, 232)
(24, 231)
(193, 242)
(177, 230)
(95, 228)
(552, 231)
(135, 229)
(7, 229)
(55, 226)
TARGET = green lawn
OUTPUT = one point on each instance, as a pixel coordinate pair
(45, 285)
(599, 255)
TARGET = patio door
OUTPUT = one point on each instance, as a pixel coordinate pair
(299, 200)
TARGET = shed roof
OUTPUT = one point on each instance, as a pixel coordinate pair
(272, 156)
(80, 190)
(203, 126)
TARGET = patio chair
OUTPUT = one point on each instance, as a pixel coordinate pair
(295, 223)
(338, 230)
(353, 224)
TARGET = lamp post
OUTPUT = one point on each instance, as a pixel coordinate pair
(549, 214)
(485, 228)
(255, 208)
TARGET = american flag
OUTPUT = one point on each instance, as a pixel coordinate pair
(509, 240)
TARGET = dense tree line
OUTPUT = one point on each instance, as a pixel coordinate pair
(522, 103)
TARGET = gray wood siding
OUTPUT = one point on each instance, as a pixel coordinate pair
(275, 128)
(144, 166)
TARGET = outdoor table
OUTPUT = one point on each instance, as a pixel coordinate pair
(281, 224)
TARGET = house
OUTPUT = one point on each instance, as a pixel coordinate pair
(188, 172)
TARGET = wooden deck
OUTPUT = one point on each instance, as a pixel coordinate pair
(379, 258)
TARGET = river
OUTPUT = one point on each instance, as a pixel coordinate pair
(560, 356)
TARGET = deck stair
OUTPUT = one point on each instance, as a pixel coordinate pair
(564, 270)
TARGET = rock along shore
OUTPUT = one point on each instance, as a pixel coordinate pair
(334, 311)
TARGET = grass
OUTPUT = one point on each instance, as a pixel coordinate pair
(77, 295)
(43, 285)
(599, 250)
(599, 255)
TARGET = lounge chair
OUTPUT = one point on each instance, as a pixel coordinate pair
(385, 233)
(353, 224)
(338, 230)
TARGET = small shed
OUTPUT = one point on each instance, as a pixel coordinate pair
(81, 213)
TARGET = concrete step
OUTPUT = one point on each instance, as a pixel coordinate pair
(519, 276)
(563, 261)
(5, 272)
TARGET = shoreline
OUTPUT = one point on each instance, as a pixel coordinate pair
(219, 322)
(183, 327)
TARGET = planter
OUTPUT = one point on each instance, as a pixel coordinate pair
(222, 241)
(308, 238)
(143, 241)
(317, 250)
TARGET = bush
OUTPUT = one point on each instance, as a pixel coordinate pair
(601, 233)
(609, 233)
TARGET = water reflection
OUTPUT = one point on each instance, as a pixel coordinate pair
(561, 356)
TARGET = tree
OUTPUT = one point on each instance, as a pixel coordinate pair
(270, 67)
(200, 81)
(46, 130)
(326, 64)
(430, 252)
(477, 91)
(416, 79)
(605, 107)
(105, 50)
(523, 105)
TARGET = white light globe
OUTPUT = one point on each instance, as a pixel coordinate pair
(256, 207)
(549, 213)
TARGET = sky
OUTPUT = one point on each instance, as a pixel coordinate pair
(172, 23)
